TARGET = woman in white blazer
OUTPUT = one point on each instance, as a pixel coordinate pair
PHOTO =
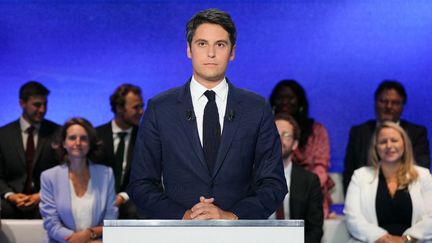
(389, 201)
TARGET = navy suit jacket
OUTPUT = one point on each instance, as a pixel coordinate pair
(107, 155)
(12, 156)
(359, 140)
(169, 172)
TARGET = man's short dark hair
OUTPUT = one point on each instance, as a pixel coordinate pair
(118, 98)
(212, 16)
(391, 84)
(288, 118)
(32, 88)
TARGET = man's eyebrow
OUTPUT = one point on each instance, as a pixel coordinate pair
(200, 40)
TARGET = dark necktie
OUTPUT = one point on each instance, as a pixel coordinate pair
(118, 166)
(280, 214)
(211, 130)
(30, 150)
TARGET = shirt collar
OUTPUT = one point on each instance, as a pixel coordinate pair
(24, 124)
(116, 129)
(197, 89)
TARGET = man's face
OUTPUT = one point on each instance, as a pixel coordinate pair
(131, 113)
(286, 133)
(210, 51)
(34, 109)
(389, 106)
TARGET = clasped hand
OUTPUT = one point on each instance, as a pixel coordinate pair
(206, 210)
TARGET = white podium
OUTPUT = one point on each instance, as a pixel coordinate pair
(213, 231)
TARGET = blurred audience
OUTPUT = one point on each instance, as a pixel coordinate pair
(25, 151)
(118, 140)
(390, 99)
(313, 151)
(77, 195)
(304, 198)
(389, 201)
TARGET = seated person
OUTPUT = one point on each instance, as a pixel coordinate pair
(389, 201)
(25, 151)
(313, 151)
(77, 195)
(390, 99)
(304, 198)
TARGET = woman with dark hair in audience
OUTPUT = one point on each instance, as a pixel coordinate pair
(389, 201)
(77, 195)
(313, 152)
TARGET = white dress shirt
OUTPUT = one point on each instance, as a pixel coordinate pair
(199, 101)
(116, 140)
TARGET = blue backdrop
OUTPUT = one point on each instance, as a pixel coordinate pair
(338, 50)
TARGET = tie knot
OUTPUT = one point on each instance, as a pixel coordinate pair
(30, 129)
(210, 94)
(122, 135)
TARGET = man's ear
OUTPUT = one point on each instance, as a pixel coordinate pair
(232, 54)
(189, 51)
(22, 103)
(295, 145)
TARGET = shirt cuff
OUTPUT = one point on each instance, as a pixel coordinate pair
(124, 195)
(7, 194)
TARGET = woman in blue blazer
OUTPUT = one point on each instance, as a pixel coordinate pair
(77, 195)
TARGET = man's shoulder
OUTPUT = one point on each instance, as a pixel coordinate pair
(168, 95)
(50, 124)
(364, 128)
(104, 127)
(300, 171)
(11, 126)
(410, 125)
(247, 94)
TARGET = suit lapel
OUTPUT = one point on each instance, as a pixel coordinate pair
(232, 120)
(187, 118)
(19, 143)
(109, 146)
(63, 182)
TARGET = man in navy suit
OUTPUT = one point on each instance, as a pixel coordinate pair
(25, 152)
(182, 168)
(390, 99)
(118, 140)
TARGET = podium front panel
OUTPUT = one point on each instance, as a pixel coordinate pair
(212, 231)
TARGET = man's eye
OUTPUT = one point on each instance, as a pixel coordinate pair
(201, 44)
(221, 44)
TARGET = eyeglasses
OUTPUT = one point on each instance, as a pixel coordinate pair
(286, 136)
(390, 102)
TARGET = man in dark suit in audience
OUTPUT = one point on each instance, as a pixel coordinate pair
(25, 151)
(118, 141)
(390, 99)
(304, 199)
(208, 150)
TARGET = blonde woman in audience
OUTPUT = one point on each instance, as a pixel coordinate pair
(77, 195)
(389, 201)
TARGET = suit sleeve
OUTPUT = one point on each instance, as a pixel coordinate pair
(112, 210)
(422, 228)
(314, 214)
(269, 179)
(350, 160)
(145, 185)
(358, 226)
(420, 145)
(49, 212)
